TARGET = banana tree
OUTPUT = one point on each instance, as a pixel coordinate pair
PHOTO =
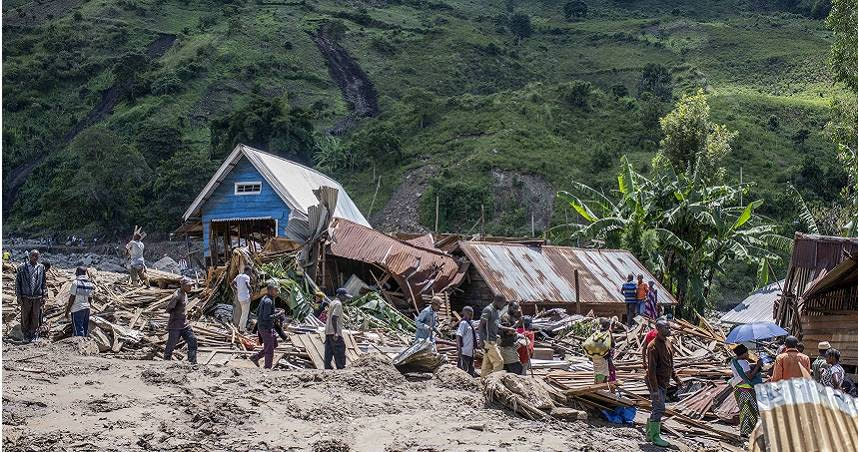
(684, 229)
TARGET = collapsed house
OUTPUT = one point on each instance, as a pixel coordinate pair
(540, 277)
(820, 294)
(255, 196)
(757, 307)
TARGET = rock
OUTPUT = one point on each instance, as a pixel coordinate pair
(568, 414)
(167, 264)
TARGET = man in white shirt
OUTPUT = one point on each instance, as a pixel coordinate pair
(241, 305)
(466, 338)
(136, 264)
(335, 346)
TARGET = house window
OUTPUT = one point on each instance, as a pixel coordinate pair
(248, 188)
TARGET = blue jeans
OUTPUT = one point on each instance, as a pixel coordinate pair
(80, 322)
(657, 399)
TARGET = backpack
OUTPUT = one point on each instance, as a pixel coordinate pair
(598, 344)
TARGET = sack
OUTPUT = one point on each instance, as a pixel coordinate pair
(598, 344)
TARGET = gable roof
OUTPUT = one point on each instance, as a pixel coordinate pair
(759, 306)
(547, 273)
(294, 184)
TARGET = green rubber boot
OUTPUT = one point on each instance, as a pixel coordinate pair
(656, 436)
(649, 430)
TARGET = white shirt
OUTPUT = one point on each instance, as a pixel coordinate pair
(135, 249)
(82, 290)
(242, 283)
(467, 332)
(334, 309)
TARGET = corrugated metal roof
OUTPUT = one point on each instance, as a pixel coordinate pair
(758, 307)
(422, 270)
(801, 415)
(293, 182)
(547, 273)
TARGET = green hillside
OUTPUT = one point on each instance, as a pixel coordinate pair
(116, 112)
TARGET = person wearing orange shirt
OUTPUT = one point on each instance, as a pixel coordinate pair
(643, 290)
(791, 363)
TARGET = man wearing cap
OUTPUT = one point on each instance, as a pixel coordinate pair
(335, 346)
(178, 323)
(820, 363)
(265, 325)
(427, 320)
(30, 291)
(659, 371)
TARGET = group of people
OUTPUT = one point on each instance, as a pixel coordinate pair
(504, 334)
(641, 299)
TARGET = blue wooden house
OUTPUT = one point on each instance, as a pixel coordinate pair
(254, 196)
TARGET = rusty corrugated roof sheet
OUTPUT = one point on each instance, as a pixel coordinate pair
(802, 415)
(547, 273)
(420, 269)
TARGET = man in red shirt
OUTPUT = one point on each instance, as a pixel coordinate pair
(791, 363)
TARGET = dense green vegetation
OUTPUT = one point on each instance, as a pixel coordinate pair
(557, 90)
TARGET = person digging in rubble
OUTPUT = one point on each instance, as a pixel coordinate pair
(488, 329)
(745, 377)
(658, 374)
(791, 363)
(629, 290)
(265, 325)
(427, 320)
(509, 340)
(30, 291)
(335, 345)
(466, 340)
(178, 322)
(241, 305)
(136, 264)
(77, 306)
(820, 363)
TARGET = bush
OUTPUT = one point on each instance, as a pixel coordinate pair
(378, 141)
(575, 10)
(773, 123)
(656, 79)
(459, 204)
(520, 26)
(168, 83)
(619, 90)
(577, 94)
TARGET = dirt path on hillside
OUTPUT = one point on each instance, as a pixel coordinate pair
(56, 399)
(101, 110)
(358, 91)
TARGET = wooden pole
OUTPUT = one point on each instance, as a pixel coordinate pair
(577, 294)
(482, 220)
(532, 225)
(437, 210)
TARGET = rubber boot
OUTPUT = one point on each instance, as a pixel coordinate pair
(656, 436)
(649, 430)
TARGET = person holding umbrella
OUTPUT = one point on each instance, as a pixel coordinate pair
(744, 378)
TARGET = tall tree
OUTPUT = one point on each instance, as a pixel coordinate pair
(656, 79)
(520, 26)
(692, 142)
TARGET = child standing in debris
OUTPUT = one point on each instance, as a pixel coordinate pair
(265, 325)
(77, 306)
(466, 339)
(178, 322)
(525, 329)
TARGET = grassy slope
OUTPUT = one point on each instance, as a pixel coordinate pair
(497, 102)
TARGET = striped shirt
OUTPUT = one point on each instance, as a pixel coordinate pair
(630, 292)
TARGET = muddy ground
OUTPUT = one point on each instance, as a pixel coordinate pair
(56, 399)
